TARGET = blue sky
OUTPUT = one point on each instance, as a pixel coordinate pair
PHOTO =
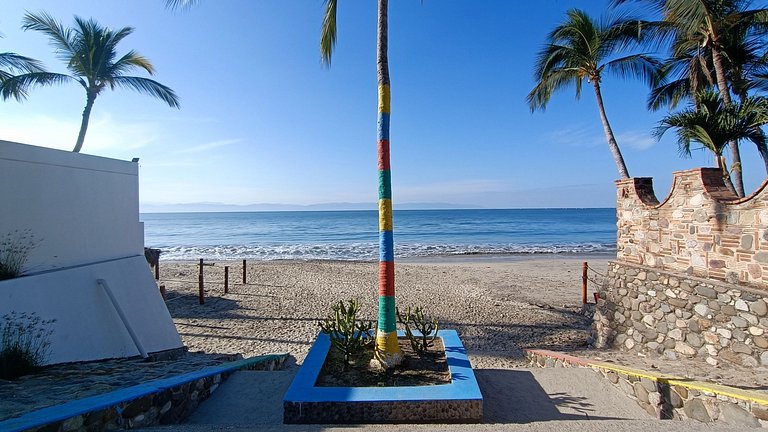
(262, 122)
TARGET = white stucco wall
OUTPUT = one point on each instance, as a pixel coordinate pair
(87, 326)
(84, 212)
(81, 208)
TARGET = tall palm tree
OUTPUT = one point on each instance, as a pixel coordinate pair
(12, 62)
(714, 124)
(708, 22)
(388, 352)
(580, 49)
(89, 50)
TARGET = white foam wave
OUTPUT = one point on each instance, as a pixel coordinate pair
(366, 251)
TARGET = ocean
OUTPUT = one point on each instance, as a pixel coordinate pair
(353, 235)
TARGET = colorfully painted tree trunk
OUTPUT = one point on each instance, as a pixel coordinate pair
(387, 350)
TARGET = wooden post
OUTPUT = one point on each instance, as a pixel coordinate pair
(163, 292)
(244, 271)
(157, 269)
(201, 297)
(584, 283)
(226, 279)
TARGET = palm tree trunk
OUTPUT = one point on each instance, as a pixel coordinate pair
(722, 85)
(723, 165)
(388, 352)
(612, 145)
(84, 124)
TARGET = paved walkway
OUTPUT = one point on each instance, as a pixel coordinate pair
(515, 400)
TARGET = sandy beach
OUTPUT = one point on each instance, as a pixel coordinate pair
(498, 305)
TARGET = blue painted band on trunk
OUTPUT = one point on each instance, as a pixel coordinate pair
(383, 126)
(386, 246)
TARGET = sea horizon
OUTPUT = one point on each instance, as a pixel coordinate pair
(353, 234)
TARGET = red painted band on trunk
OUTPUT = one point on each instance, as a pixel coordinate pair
(383, 155)
(387, 278)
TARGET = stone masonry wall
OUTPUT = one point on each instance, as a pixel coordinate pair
(701, 229)
(644, 309)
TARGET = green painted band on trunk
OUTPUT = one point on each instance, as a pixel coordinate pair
(387, 314)
(385, 184)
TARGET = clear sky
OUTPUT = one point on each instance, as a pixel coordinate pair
(262, 122)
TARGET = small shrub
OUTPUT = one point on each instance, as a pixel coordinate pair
(348, 334)
(418, 320)
(24, 344)
(14, 251)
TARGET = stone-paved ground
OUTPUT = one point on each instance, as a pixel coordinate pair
(66, 382)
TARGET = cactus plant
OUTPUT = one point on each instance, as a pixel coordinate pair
(347, 334)
(427, 326)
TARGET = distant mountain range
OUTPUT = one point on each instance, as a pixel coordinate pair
(221, 207)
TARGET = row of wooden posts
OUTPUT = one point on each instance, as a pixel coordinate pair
(201, 279)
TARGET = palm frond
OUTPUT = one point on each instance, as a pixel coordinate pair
(11, 61)
(148, 86)
(18, 86)
(328, 32)
(640, 66)
(180, 4)
(61, 38)
(131, 60)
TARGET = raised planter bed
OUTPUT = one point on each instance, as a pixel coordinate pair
(457, 402)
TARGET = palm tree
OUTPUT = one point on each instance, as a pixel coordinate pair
(579, 49)
(88, 49)
(708, 23)
(714, 124)
(12, 62)
(388, 352)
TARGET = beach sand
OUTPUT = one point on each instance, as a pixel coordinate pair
(498, 305)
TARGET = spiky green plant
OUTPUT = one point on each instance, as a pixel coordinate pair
(347, 334)
(425, 325)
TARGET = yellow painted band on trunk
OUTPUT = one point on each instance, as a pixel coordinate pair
(385, 215)
(388, 352)
(384, 98)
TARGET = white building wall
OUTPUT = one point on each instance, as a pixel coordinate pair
(81, 208)
(84, 212)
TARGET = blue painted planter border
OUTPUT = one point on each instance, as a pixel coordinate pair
(86, 405)
(463, 384)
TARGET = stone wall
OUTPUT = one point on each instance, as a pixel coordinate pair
(701, 229)
(645, 309)
(691, 276)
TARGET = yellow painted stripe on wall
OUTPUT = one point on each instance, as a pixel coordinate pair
(384, 98)
(385, 215)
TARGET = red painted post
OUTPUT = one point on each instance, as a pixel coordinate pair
(226, 279)
(584, 283)
(201, 297)
(244, 271)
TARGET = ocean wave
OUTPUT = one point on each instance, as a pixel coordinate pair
(367, 251)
